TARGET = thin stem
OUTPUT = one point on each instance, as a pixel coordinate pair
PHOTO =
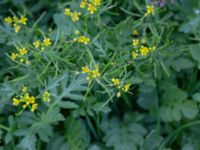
(4, 127)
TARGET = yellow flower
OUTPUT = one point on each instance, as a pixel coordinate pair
(115, 81)
(46, 96)
(27, 62)
(14, 56)
(47, 42)
(24, 89)
(153, 48)
(17, 28)
(15, 19)
(85, 69)
(26, 100)
(75, 39)
(83, 4)
(143, 40)
(135, 42)
(91, 8)
(75, 16)
(144, 50)
(23, 20)
(135, 55)
(95, 73)
(119, 87)
(23, 51)
(88, 78)
(91, 73)
(118, 94)
(36, 43)
(150, 10)
(34, 107)
(82, 39)
(126, 87)
(77, 32)
(97, 2)
(16, 102)
(92, 5)
(8, 20)
(135, 32)
(67, 12)
(24, 106)
(21, 60)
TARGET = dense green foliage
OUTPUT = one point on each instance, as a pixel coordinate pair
(83, 82)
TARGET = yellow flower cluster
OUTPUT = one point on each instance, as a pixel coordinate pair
(75, 16)
(46, 96)
(82, 39)
(140, 49)
(135, 42)
(150, 10)
(91, 5)
(120, 86)
(16, 22)
(45, 43)
(143, 51)
(21, 55)
(91, 73)
(25, 100)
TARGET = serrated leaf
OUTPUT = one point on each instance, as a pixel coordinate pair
(152, 141)
(52, 116)
(77, 137)
(126, 136)
(67, 86)
(28, 142)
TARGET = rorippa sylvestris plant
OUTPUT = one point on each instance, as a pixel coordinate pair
(97, 75)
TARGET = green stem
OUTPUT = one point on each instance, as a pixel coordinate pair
(88, 90)
(91, 56)
(175, 133)
(4, 128)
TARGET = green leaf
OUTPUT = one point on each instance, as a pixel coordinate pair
(94, 147)
(123, 135)
(8, 137)
(148, 100)
(28, 142)
(195, 52)
(68, 105)
(190, 26)
(182, 63)
(176, 113)
(135, 80)
(196, 97)
(67, 86)
(165, 113)
(76, 134)
(152, 141)
(53, 116)
(190, 109)
(64, 24)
